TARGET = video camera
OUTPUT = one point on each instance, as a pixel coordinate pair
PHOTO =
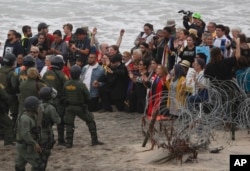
(187, 14)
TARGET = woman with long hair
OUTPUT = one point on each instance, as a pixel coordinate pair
(188, 52)
(176, 85)
(157, 91)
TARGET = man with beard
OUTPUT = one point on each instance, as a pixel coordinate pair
(91, 73)
(12, 45)
(27, 33)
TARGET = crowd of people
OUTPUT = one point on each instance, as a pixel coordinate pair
(73, 74)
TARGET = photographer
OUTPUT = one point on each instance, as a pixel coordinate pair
(196, 22)
(80, 48)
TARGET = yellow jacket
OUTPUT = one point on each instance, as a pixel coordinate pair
(180, 91)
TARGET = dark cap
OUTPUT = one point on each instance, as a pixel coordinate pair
(116, 58)
(42, 25)
(58, 32)
(80, 31)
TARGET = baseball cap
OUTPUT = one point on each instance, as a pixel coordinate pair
(196, 15)
(170, 23)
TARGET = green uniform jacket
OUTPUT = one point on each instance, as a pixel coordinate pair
(50, 116)
(3, 98)
(76, 92)
(28, 88)
(56, 79)
(11, 79)
(25, 123)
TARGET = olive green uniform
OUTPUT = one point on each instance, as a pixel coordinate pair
(5, 121)
(77, 96)
(26, 141)
(12, 90)
(50, 116)
(56, 79)
(22, 76)
(29, 87)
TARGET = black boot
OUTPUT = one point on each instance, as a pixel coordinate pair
(69, 136)
(17, 169)
(96, 142)
(60, 133)
(69, 145)
(93, 133)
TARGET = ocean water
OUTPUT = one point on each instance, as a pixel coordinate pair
(109, 16)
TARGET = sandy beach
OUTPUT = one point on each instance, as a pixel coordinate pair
(121, 133)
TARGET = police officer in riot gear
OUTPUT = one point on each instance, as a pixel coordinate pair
(28, 135)
(28, 62)
(50, 116)
(9, 79)
(56, 78)
(5, 121)
(29, 87)
(77, 97)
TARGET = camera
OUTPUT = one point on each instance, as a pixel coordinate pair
(155, 37)
(71, 42)
(187, 14)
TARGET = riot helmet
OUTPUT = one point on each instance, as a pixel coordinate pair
(29, 61)
(75, 72)
(31, 103)
(9, 59)
(46, 93)
(57, 62)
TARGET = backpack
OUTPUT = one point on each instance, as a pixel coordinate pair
(4, 78)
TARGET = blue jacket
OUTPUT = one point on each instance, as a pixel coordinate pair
(243, 79)
(97, 73)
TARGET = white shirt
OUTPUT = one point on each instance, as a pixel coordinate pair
(88, 75)
(219, 41)
(45, 68)
(148, 38)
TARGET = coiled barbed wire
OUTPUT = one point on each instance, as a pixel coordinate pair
(207, 124)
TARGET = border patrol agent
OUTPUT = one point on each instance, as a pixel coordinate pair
(50, 116)
(56, 78)
(9, 79)
(77, 97)
(5, 121)
(27, 137)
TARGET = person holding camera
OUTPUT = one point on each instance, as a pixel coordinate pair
(58, 47)
(80, 48)
(196, 22)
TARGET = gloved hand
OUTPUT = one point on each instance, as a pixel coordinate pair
(37, 148)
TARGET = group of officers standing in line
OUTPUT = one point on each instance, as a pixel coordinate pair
(36, 103)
